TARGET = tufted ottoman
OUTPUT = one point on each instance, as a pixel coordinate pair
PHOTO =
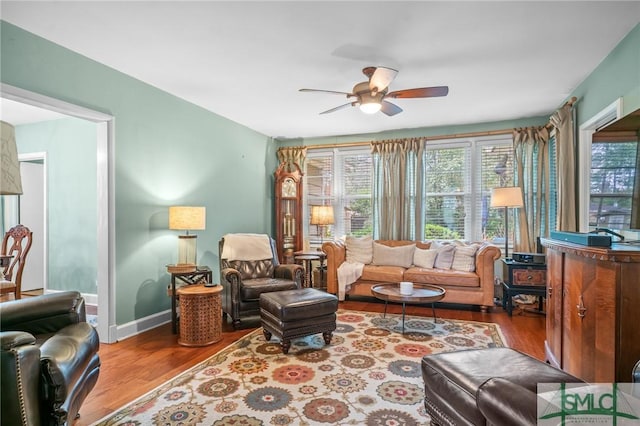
(290, 314)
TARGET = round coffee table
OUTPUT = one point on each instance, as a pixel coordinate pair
(422, 293)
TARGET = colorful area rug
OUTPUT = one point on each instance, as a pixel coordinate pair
(370, 374)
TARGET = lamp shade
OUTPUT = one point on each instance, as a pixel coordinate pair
(322, 215)
(187, 218)
(509, 196)
(10, 181)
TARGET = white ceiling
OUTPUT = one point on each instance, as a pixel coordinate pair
(18, 113)
(246, 60)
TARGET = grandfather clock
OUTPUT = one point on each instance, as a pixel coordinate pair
(288, 211)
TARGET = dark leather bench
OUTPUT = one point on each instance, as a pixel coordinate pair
(291, 314)
(494, 386)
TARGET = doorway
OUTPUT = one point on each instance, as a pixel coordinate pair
(32, 208)
(105, 201)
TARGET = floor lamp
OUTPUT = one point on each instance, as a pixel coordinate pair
(321, 216)
(509, 196)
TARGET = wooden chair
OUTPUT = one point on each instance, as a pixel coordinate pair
(16, 243)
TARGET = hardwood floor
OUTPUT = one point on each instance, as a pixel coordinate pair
(137, 365)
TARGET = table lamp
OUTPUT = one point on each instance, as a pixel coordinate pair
(509, 196)
(187, 218)
(321, 216)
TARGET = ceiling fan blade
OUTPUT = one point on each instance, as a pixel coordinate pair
(423, 92)
(326, 91)
(381, 78)
(390, 109)
(337, 108)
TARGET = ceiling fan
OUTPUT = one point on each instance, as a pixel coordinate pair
(371, 96)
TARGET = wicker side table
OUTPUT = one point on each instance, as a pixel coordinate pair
(200, 315)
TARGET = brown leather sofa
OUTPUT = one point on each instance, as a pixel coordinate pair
(48, 360)
(495, 386)
(470, 288)
(244, 281)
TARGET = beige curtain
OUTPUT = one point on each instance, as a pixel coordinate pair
(292, 155)
(398, 210)
(563, 122)
(532, 163)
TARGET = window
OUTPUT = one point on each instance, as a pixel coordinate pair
(459, 176)
(459, 179)
(613, 170)
(448, 192)
(342, 178)
(496, 170)
(553, 183)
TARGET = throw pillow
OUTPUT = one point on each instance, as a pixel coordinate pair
(393, 256)
(464, 258)
(424, 258)
(444, 259)
(359, 250)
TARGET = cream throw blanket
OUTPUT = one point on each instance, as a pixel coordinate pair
(246, 247)
(348, 273)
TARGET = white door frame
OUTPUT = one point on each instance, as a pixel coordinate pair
(42, 156)
(611, 112)
(105, 198)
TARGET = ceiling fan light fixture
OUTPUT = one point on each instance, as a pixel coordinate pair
(370, 95)
(370, 104)
(370, 108)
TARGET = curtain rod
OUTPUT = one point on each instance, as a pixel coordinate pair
(455, 136)
(570, 102)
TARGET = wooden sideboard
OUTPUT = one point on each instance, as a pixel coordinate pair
(593, 310)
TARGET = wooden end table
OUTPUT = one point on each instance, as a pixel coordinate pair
(200, 315)
(523, 278)
(422, 294)
(307, 257)
(199, 274)
(306, 260)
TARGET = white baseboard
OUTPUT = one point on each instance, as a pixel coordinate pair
(141, 325)
(130, 329)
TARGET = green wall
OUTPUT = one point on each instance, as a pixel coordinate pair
(70, 145)
(618, 76)
(167, 151)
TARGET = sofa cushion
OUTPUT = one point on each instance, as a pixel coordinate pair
(464, 258)
(393, 256)
(424, 258)
(444, 259)
(383, 274)
(448, 277)
(359, 250)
